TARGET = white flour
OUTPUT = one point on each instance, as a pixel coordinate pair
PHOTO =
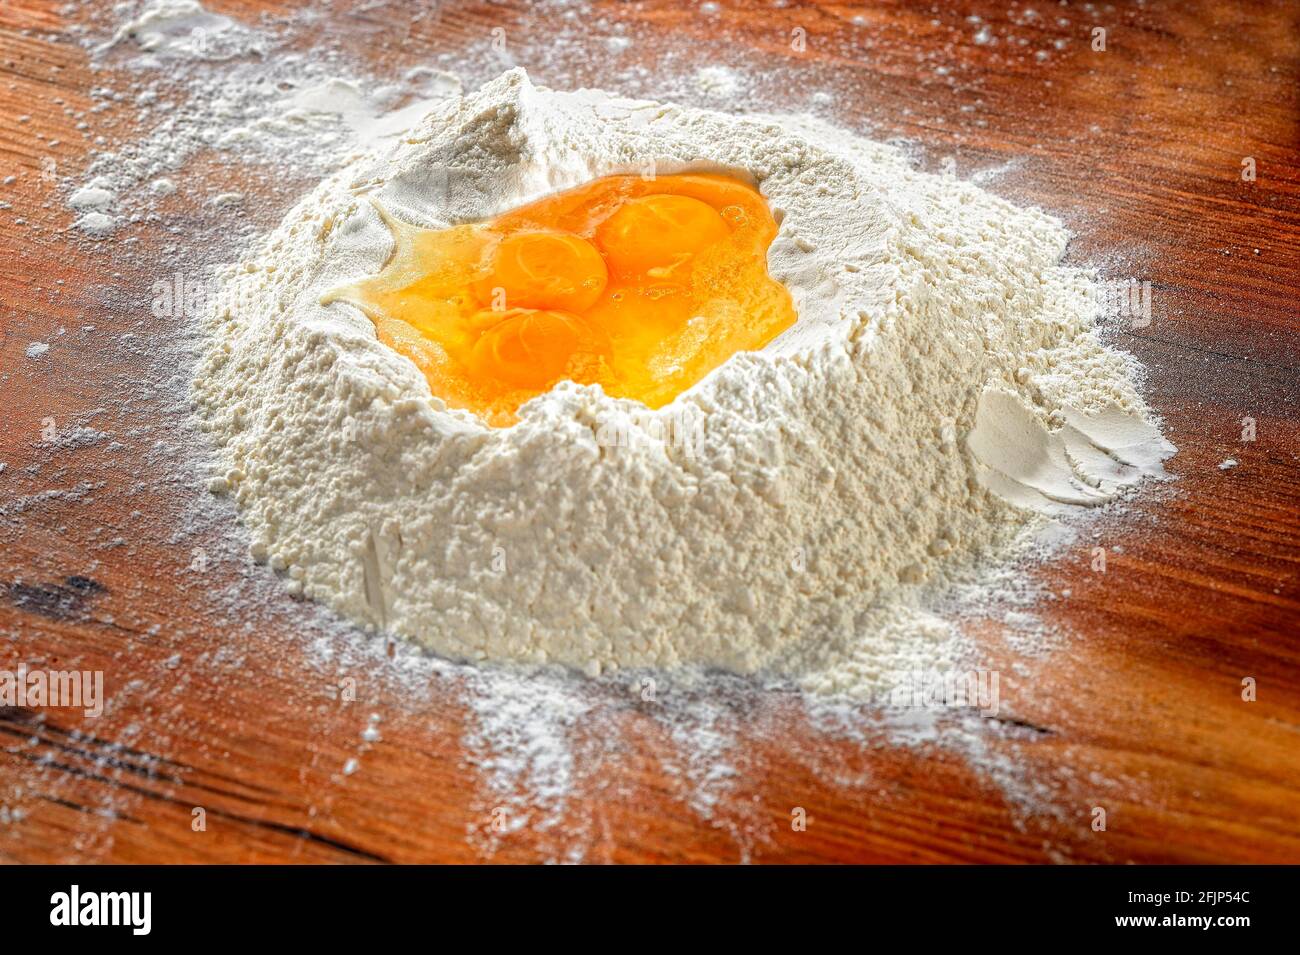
(783, 516)
(560, 752)
(184, 29)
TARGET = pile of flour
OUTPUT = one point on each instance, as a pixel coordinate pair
(943, 390)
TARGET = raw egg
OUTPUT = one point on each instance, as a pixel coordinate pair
(640, 285)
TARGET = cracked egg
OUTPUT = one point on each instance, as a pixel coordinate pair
(640, 285)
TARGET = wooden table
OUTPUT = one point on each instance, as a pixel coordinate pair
(1138, 711)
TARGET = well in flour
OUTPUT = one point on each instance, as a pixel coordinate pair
(943, 387)
(640, 285)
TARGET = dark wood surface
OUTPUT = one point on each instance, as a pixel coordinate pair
(1139, 710)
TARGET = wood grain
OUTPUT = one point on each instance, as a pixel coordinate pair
(1137, 710)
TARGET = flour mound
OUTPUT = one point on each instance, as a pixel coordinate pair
(943, 387)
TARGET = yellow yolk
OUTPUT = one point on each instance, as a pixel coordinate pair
(531, 348)
(543, 270)
(654, 235)
(640, 285)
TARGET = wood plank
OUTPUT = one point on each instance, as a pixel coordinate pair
(1138, 710)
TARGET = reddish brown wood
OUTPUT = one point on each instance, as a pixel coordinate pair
(1140, 148)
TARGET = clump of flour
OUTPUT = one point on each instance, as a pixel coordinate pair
(184, 29)
(943, 380)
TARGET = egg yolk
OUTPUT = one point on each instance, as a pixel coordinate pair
(531, 348)
(640, 285)
(653, 235)
(543, 270)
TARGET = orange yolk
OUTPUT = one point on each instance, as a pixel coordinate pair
(543, 270)
(653, 235)
(531, 348)
(640, 285)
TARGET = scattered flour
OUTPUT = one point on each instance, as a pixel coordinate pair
(719, 82)
(541, 740)
(369, 113)
(300, 113)
(92, 197)
(184, 29)
(941, 354)
(97, 225)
